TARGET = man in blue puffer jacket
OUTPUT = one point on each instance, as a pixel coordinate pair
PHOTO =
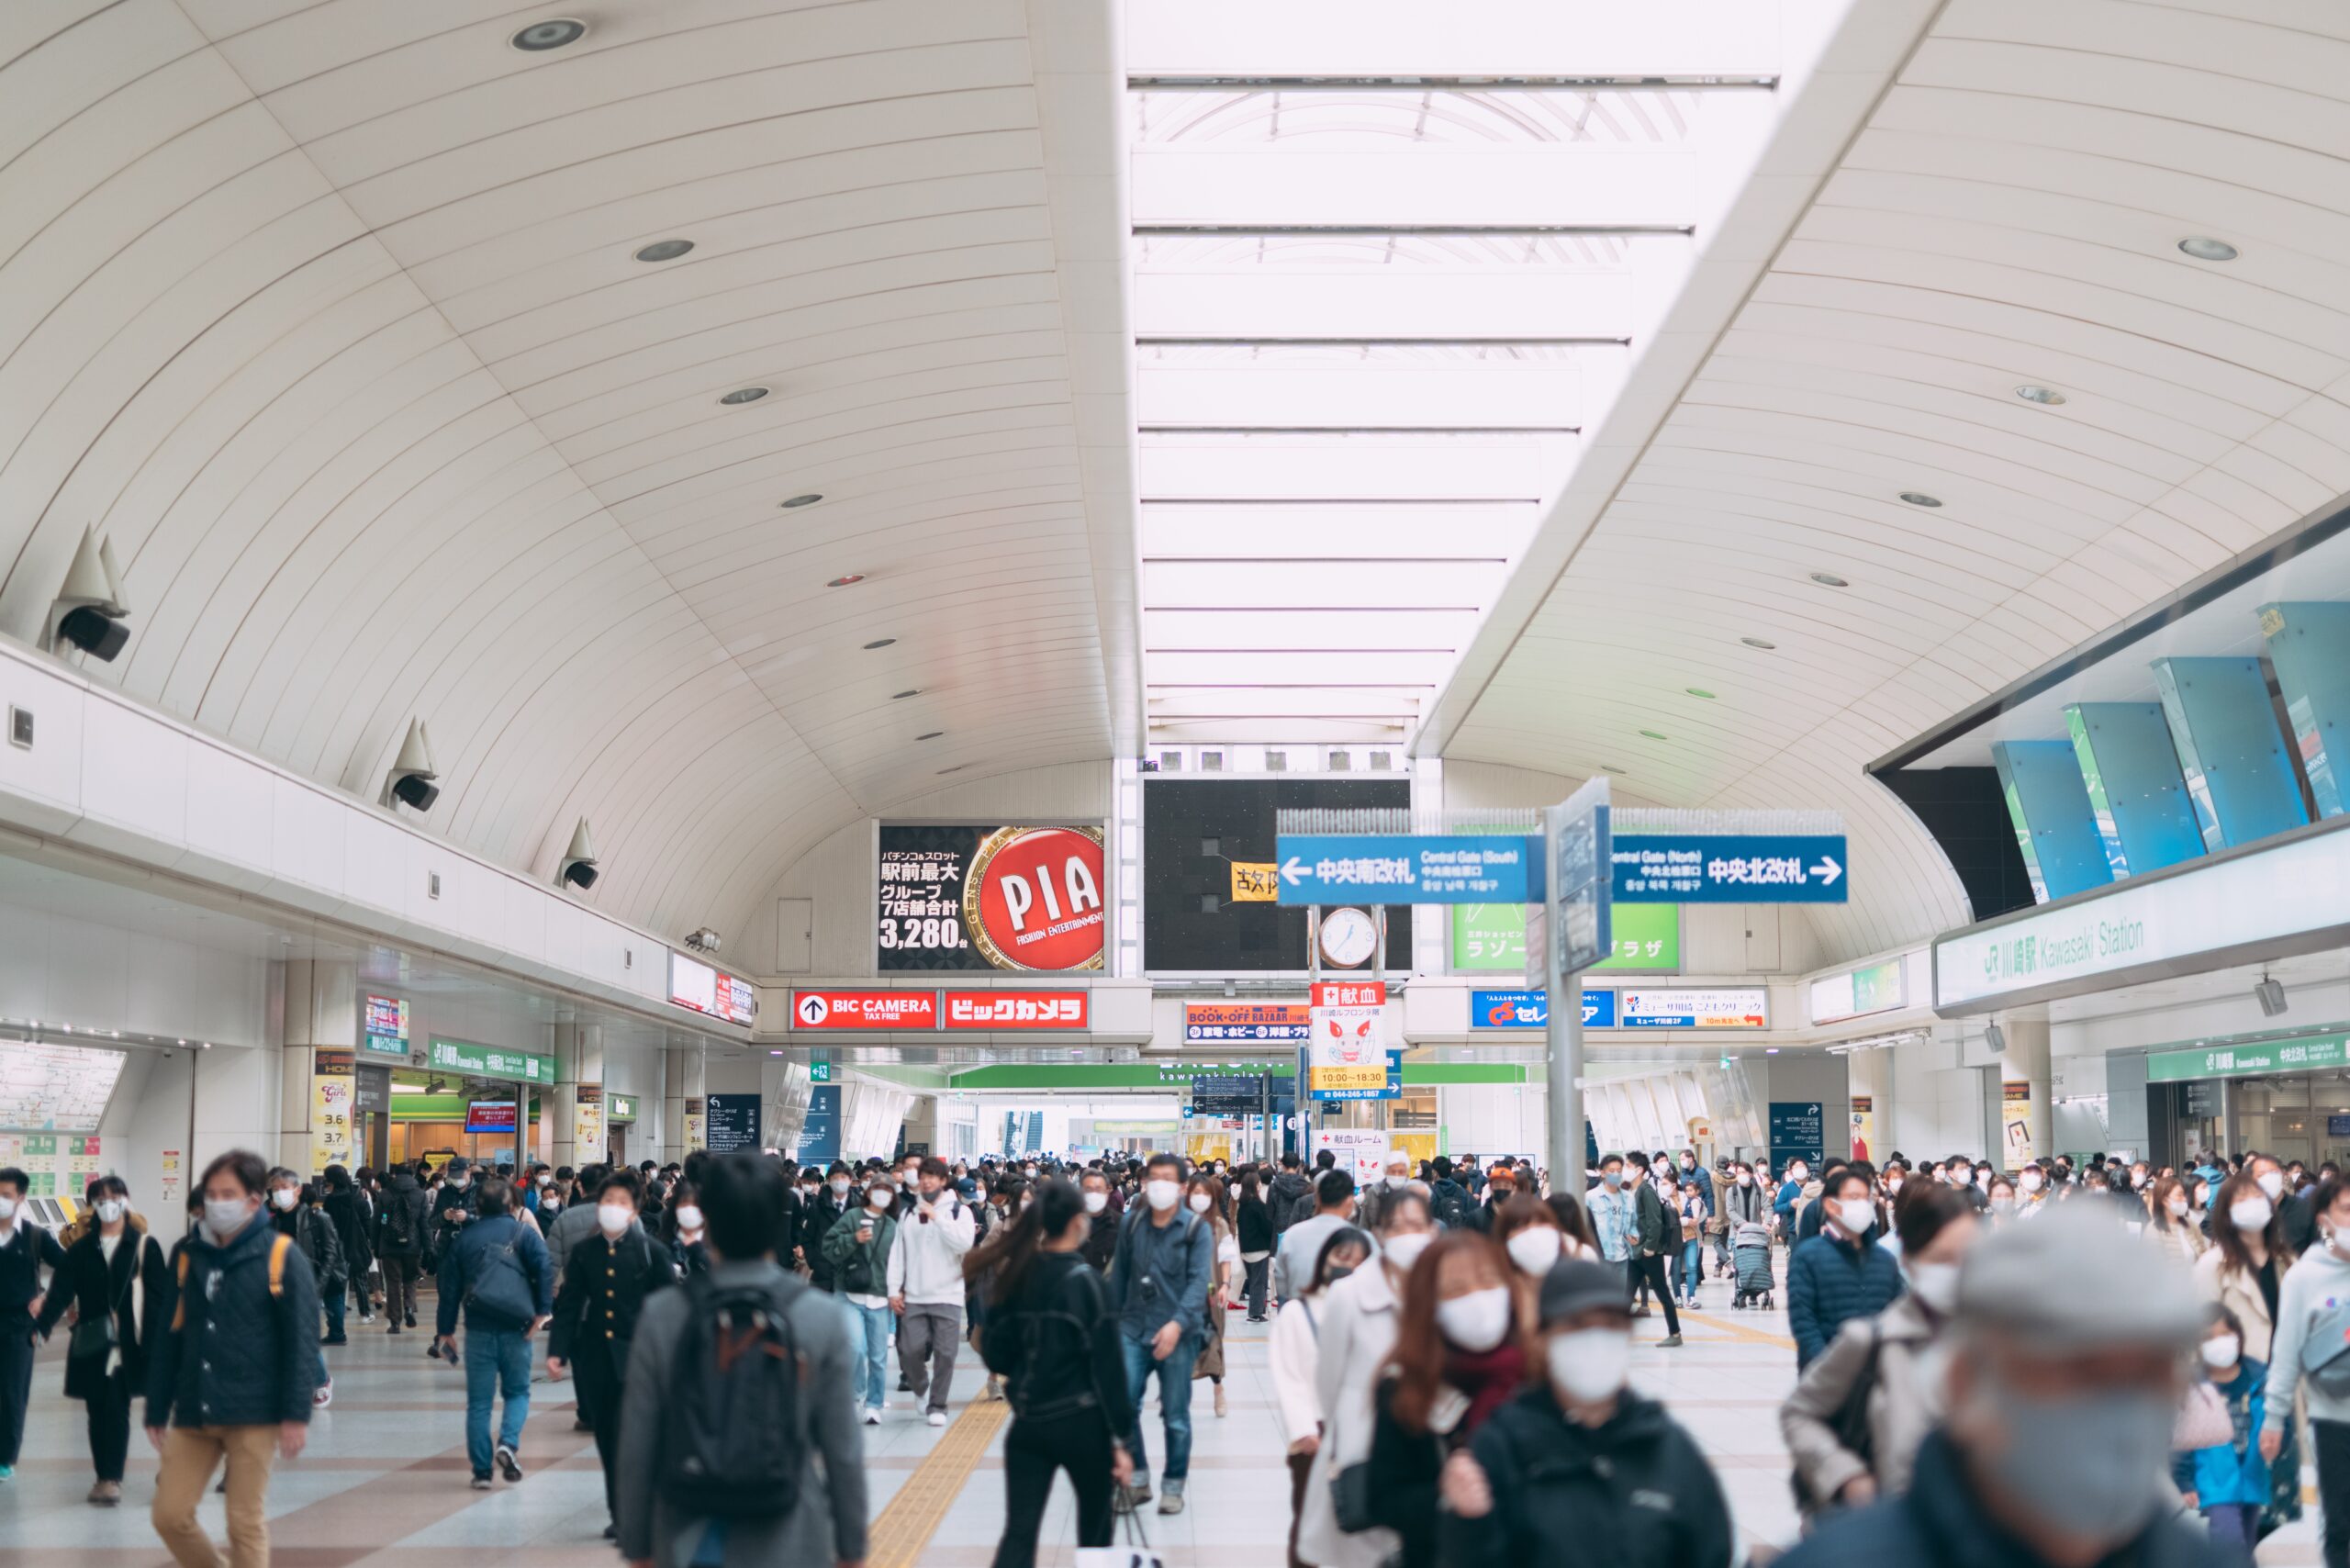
(232, 1376)
(1837, 1275)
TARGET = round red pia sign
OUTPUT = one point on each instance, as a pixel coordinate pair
(1033, 898)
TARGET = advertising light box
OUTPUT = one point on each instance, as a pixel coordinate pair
(864, 1010)
(55, 1088)
(1856, 993)
(1739, 1008)
(1493, 936)
(1015, 1009)
(383, 1026)
(989, 898)
(712, 992)
(490, 1116)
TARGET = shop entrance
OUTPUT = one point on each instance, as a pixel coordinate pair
(475, 1118)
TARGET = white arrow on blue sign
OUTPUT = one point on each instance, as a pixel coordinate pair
(1384, 869)
(1731, 868)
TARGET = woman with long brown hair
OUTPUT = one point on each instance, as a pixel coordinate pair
(1210, 1201)
(1459, 1355)
(2243, 1271)
(2170, 1222)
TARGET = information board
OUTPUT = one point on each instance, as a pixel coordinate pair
(55, 1088)
(490, 1117)
(1731, 868)
(820, 1134)
(733, 1124)
(1389, 1087)
(1229, 1094)
(1391, 869)
(1797, 1132)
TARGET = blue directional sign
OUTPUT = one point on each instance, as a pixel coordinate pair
(1380, 869)
(1731, 868)
(1531, 1009)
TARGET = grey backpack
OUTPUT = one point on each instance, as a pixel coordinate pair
(2325, 1353)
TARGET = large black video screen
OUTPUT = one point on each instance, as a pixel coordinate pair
(1193, 831)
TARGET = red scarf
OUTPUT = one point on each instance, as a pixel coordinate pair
(1490, 1378)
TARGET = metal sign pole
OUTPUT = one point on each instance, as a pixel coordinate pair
(1563, 1034)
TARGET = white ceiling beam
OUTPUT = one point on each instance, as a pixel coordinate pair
(1293, 666)
(1221, 626)
(1315, 701)
(1175, 530)
(1357, 584)
(1328, 470)
(1586, 185)
(1578, 38)
(1403, 302)
(1422, 392)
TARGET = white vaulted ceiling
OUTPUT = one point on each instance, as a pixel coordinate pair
(327, 312)
(2010, 214)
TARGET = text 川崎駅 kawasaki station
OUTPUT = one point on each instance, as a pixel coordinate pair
(2287, 1093)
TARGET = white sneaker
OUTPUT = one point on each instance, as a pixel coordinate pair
(936, 1418)
(872, 1415)
(323, 1396)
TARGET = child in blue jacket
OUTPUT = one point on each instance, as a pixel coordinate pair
(2228, 1481)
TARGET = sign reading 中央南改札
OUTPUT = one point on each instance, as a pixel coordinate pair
(1389, 868)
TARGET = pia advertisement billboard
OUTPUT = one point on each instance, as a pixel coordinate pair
(1022, 899)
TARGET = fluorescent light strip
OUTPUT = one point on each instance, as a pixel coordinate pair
(1339, 501)
(1173, 83)
(1505, 231)
(1323, 560)
(1358, 429)
(1152, 340)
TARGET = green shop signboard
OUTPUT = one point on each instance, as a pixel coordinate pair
(1493, 936)
(619, 1107)
(2302, 1055)
(489, 1061)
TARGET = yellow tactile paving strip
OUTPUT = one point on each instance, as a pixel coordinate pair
(905, 1526)
(1739, 1330)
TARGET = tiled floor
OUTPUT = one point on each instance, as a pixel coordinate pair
(385, 1480)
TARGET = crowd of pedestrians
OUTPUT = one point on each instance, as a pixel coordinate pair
(2054, 1367)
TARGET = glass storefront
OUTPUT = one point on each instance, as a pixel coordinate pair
(2303, 1116)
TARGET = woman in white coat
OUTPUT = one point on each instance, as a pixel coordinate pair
(1358, 1330)
(1296, 1353)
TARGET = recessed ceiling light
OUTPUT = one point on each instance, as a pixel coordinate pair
(931, 736)
(901, 696)
(809, 499)
(957, 768)
(1919, 499)
(2204, 249)
(1609, 767)
(1698, 691)
(665, 249)
(2046, 397)
(1829, 579)
(879, 643)
(742, 394)
(846, 581)
(552, 33)
(1758, 643)
(1654, 735)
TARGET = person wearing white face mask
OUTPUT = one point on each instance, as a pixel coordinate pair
(858, 1252)
(2308, 1358)
(1293, 1357)
(1578, 1471)
(2245, 1270)
(1459, 1356)
(1359, 1329)
(227, 1378)
(2227, 1482)
(1205, 1198)
(112, 1277)
(2171, 1223)
(1159, 1287)
(1839, 1275)
(606, 1279)
(1890, 1362)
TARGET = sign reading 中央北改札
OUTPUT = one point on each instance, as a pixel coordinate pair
(1731, 868)
(1388, 869)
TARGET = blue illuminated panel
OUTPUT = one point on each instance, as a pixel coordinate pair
(2230, 753)
(2310, 646)
(2055, 827)
(2130, 770)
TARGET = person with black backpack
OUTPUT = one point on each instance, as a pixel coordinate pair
(1053, 1340)
(402, 1219)
(737, 1386)
(605, 1282)
(495, 1273)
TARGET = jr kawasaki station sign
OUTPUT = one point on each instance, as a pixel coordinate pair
(2285, 895)
(2305, 1053)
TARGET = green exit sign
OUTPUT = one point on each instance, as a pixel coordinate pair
(820, 1072)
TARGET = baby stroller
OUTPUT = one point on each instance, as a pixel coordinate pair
(1752, 1253)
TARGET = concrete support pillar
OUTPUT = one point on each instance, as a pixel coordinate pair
(682, 1107)
(2023, 1070)
(575, 1119)
(321, 1003)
